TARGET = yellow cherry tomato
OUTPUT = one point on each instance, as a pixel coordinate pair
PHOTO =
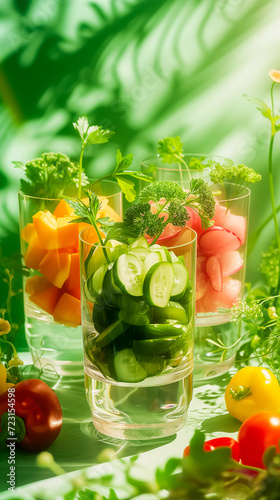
(251, 390)
(3, 378)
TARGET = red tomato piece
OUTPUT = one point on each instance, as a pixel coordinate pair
(225, 442)
(256, 434)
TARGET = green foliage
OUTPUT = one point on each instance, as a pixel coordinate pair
(240, 174)
(203, 202)
(165, 189)
(51, 175)
(269, 265)
(91, 134)
(171, 150)
(267, 113)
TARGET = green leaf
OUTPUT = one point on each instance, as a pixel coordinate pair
(171, 150)
(96, 135)
(91, 134)
(127, 188)
(18, 164)
(138, 175)
(122, 162)
(82, 126)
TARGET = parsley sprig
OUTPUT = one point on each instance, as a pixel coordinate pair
(50, 175)
(96, 135)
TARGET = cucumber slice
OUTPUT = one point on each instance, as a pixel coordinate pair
(94, 260)
(173, 310)
(156, 331)
(127, 368)
(153, 365)
(110, 334)
(158, 284)
(151, 259)
(139, 252)
(140, 242)
(133, 312)
(180, 282)
(165, 254)
(116, 248)
(158, 347)
(103, 316)
(93, 285)
(111, 293)
(127, 274)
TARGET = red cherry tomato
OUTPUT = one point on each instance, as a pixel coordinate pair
(212, 444)
(256, 434)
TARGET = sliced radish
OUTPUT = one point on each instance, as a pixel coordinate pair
(214, 272)
(202, 280)
(236, 224)
(169, 236)
(231, 262)
(212, 300)
(220, 215)
(216, 240)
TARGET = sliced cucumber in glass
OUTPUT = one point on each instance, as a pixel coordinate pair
(158, 284)
(110, 334)
(153, 365)
(156, 331)
(103, 316)
(180, 283)
(140, 252)
(173, 310)
(127, 274)
(151, 259)
(140, 242)
(127, 368)
(157, 347)
(134, 312)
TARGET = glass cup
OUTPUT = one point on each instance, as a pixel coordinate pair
(221, 265)
(52, 302)
(138, 320)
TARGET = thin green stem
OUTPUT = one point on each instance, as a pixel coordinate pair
(180, 169)
(100, 240)
(99, 180)
(80, 171)
(271, 188)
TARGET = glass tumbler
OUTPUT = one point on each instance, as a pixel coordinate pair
(52, 298)
(138, 321)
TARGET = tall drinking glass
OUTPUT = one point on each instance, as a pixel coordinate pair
(52, 298)
(138, 320)
(221, 264)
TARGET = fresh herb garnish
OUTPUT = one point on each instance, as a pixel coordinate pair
(240, 174)
(89, 135)
(50, 175)
(171, 202)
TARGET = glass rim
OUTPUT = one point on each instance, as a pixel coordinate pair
(29, 196)
(150, 158)
(232, 198)
(97, 243)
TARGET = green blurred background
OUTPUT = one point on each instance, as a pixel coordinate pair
(146, 69)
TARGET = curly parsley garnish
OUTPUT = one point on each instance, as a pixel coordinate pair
(240, 174)
(50, 175)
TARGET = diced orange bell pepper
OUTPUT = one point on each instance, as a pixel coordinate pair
(46, 229)
(73, 280)
(68, 310)
(28, 232)
(67, 232)
(63, 209)
(36, 284)
(55, 266)
(46, 299)
(76, 292)
(34, 253)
